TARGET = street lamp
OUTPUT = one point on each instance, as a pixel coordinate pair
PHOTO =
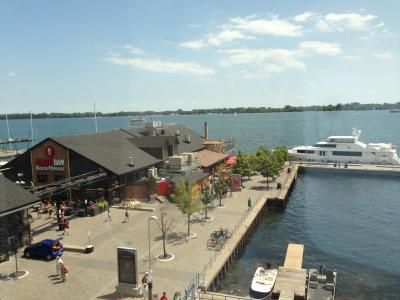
(150, 218)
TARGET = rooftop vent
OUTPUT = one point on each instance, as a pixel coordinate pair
(177, 133)
(187, 138)
(131, 164)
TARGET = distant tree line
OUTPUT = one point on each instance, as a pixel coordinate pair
(238, 110)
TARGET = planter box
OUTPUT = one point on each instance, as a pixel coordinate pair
(93, 211)
(81, 213)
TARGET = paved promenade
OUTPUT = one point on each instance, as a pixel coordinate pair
(94, 276)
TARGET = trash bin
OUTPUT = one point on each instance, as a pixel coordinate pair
(289, 170)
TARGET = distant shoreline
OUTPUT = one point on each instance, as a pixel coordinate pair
(355, 106)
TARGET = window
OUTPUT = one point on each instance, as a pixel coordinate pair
(347, 153)
(42, 178)
(326, 145)
(306, 151)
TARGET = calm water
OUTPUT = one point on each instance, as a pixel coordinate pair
(350, 222)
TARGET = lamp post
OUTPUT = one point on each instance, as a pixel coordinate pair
(150, 218)
(150, 278)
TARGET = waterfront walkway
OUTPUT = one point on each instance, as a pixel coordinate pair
(94, 276)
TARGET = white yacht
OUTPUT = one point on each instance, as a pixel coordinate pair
(263, 282)
(347, 149)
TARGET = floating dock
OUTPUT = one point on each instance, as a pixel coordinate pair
(292, 278)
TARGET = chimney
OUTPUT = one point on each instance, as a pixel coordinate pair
(131, 164)
(206, 130)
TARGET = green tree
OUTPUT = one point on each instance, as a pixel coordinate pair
(268, 168)
(281, 155)
(206, 197)
(187, 195)
(243, 165)
(220, 188)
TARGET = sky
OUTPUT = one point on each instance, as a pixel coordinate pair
(64, 56)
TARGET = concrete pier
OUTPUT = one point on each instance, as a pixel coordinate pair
(292, 278)
(351, 168)
(278, 197)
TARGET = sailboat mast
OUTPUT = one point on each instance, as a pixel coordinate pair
(95, 116)
(9, 137)
(31, 129)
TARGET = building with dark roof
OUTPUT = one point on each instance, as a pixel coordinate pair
(125, 154)
(58, 158)
(14, 223)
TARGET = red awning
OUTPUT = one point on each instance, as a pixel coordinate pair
(231, 160)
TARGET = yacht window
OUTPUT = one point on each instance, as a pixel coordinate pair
(326, 145)
(306, 151)
(347, 153)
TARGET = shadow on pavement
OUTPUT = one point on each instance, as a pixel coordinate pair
(177, 238)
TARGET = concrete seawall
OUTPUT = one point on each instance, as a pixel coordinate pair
(352, 169)
(248, 224)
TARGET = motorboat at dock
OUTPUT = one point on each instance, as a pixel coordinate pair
(263, 282)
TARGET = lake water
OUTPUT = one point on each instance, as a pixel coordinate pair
(349, 222)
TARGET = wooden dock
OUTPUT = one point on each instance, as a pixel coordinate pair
(292, 279)
(294, 256)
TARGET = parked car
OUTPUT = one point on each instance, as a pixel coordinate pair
(46, 249)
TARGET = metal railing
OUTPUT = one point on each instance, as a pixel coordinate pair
(199, 278)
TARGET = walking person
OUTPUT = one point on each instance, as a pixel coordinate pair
(64, 272)
(164, 296)
(58, 265)
(249, 204)
(145, 285)
(126, 216)
(66, 227)
(177, 296)
(108, 214)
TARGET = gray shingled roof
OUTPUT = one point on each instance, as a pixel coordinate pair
(110, 149)
(195, 144)
(153, 141)
(13, 197)
(191, 177)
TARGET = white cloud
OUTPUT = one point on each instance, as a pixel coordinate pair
(272, 26)
(133, 49)
(304, 17)
(197, 44)
(345, 21)
(12, 74)
(160, 66)
(269, 60)
(226, 36)
(316, 47)
(384, 55)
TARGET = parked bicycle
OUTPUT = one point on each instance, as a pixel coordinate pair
(218, 238)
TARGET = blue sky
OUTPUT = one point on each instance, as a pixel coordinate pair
(63, 56)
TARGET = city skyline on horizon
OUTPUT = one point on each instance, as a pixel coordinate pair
(189, 55)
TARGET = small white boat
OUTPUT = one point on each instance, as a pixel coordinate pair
(263, 282)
